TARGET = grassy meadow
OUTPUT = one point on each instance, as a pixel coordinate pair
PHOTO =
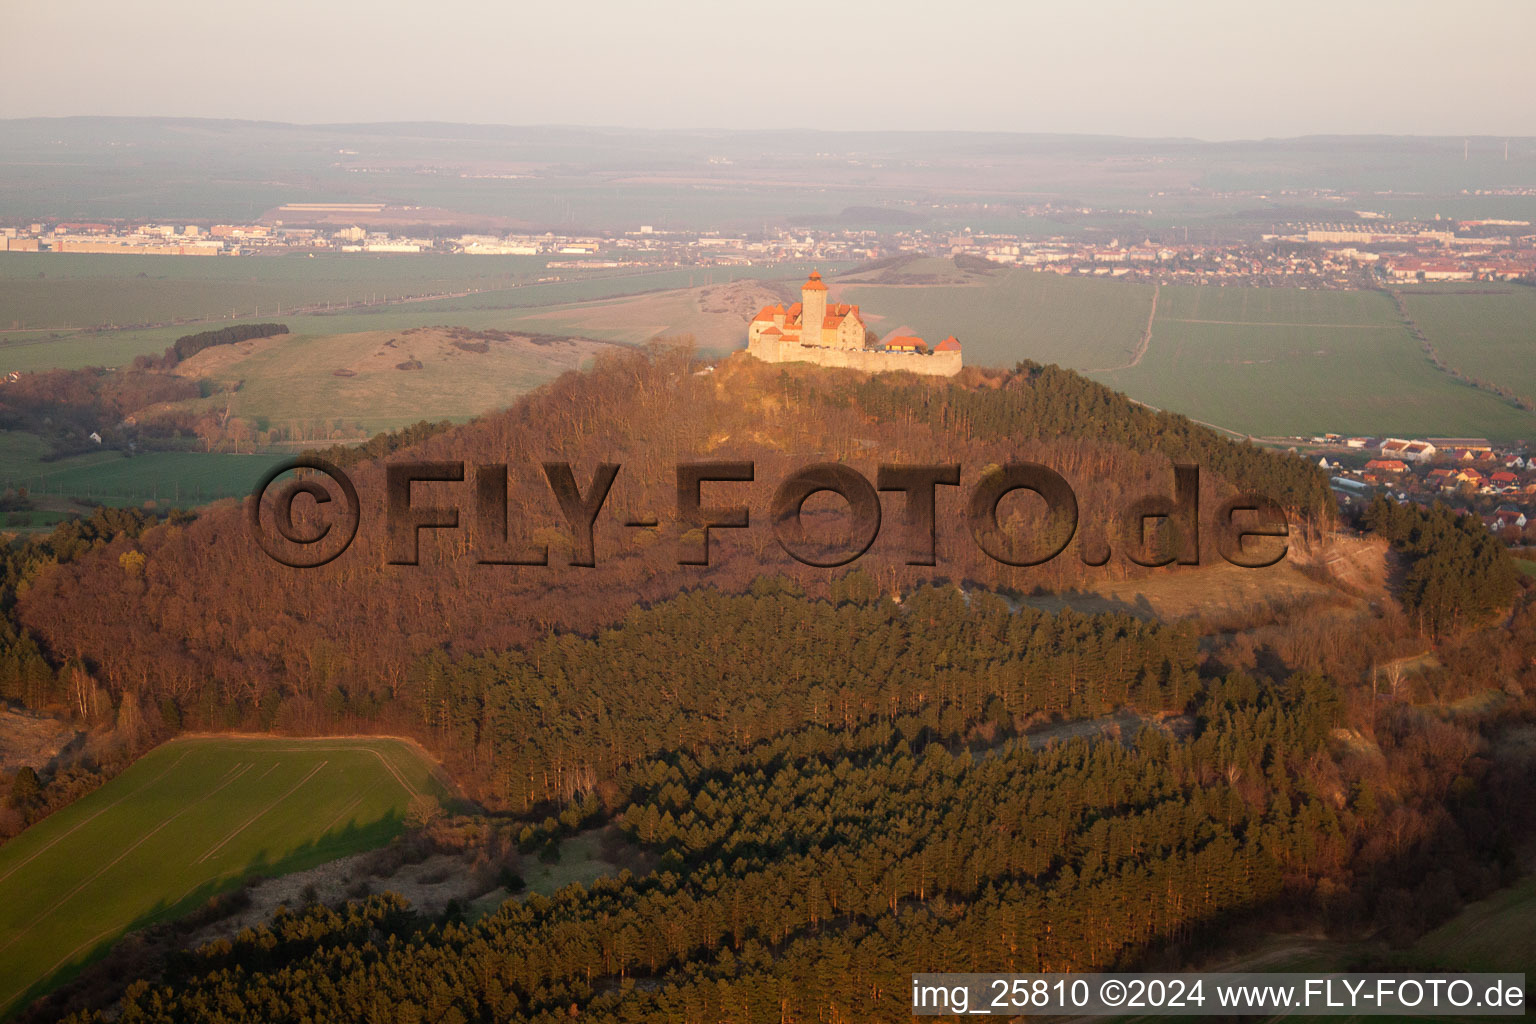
(191, 819)
(351, 385)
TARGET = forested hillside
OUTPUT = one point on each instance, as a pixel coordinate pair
(807, 869)
(196, 619)
(565, 717)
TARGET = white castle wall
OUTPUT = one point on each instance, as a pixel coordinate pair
(934, 364)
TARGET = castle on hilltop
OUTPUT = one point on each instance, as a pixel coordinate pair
(811, 331)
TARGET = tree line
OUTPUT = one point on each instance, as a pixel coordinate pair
(1455, 572)
(189, 345)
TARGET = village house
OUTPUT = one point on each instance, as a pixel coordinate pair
(1408, 451)
(1445, 479)
(1507, 517)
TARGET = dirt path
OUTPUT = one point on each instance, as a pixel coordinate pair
(1142, 345)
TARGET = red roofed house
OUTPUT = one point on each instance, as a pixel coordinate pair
(1387, 466)
(1509, 518)
(906, 343)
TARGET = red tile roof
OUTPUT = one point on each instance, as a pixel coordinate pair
(949, 344)
(813, 283)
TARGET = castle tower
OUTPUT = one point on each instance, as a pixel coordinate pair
(813, 305)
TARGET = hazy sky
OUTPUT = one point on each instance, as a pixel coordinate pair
(1228, 69)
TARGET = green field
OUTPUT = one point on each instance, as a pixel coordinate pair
(106, 289)
(1489, 337)
(1264, 361)
(1009, 315)
(73, 290)
(715, 317)
(191, 819)
(110, 478)
(1282, 362)
(1495, 934)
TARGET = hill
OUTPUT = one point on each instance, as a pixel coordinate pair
(189, 820)
(867, 768)
(370, 381)
(365, 622)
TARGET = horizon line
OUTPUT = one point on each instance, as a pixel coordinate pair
(572, 126)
